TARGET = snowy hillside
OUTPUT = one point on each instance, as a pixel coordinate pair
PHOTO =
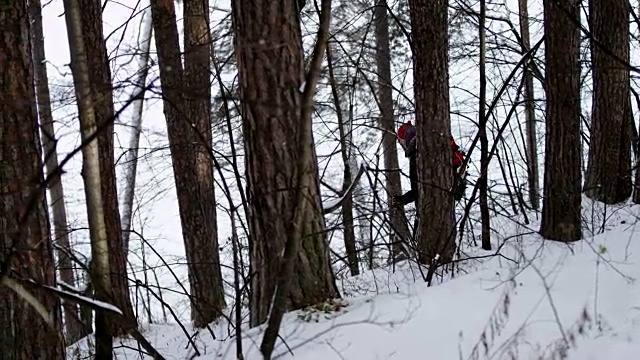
(535, 300)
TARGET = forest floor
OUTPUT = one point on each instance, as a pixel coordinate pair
(535, 300)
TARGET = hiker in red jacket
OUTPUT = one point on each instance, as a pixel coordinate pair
(407, 137)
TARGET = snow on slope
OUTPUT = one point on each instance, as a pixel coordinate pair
(537, 300)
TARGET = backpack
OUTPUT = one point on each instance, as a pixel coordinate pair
(458, 156)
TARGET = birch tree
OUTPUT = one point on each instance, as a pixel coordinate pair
(130, 171)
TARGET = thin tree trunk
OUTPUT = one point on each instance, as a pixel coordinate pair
(608, 177)
(131, 165)
(283, 185)
(429, 26)
(25, 244)
(530, 115)
(482, 131)
(73, 325)
(399, 230)
(561, 203)
(99, 267)
(345, 150)
(636, 140)
(192, 172)
(104, 112)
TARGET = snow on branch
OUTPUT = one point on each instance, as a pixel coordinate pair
(332, 205)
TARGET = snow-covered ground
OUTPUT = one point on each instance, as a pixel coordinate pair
(535, 300)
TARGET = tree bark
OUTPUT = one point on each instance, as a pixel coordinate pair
(269, 52)
(100, 262)
(561, 203)
(74, 330)
(25, 242)
(530, 115)
(399, 229)
(193, 179)
(207, 278)
(130, 171)
(608, 177)
(103, 107)
(431, 87)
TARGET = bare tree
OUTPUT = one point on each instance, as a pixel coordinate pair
(562, 177)
(608, 177)
(283, 187)
(346, 151)
(430, 41)
(74, 330)
(530, 115)
(130, 172)
(399, 228)
(482, 131)
(193, 176)
(25, 241)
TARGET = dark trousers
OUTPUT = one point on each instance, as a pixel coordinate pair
(411, 195)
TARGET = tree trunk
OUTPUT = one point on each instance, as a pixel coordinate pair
(73, 325)
(103, 107)
(25, 244)
(431, 87)
(193, 180)
(399, 229)
(530, 115)
(482, 131)
(197, 56)
(99, 266)
(269, 51)
(608, 177)
(561, 203)
(345, 150)
(130, 170)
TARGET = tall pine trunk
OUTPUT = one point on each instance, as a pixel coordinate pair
(429, 26)
(103, 107)
(25, 238)
(608, 177)
(399, 229)
(268, 47)
(195, 195)
(563, 151)
(530, 115)
(74, 330)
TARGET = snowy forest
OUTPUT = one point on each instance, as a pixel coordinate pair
(297, 179)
